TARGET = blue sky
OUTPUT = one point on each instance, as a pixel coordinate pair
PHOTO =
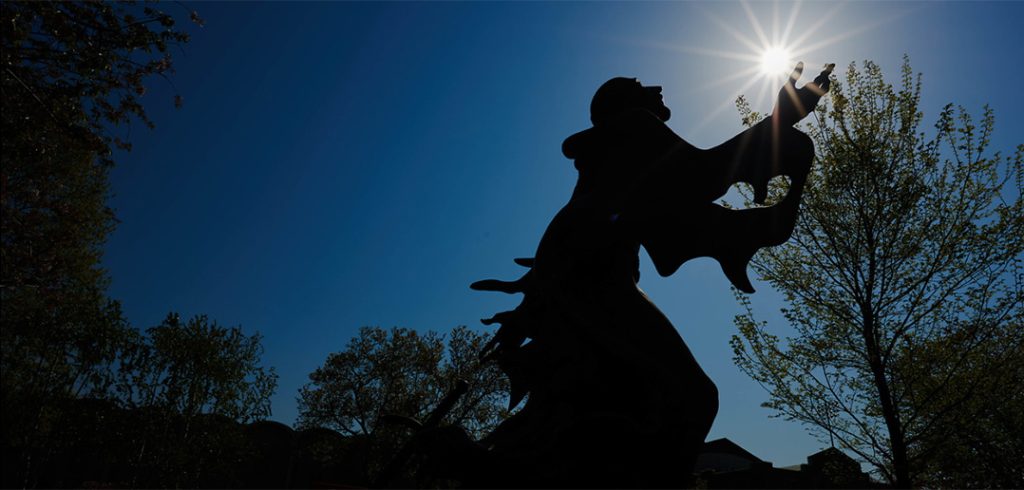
(345, 164)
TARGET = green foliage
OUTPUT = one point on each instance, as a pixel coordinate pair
(197, 368)
(188, 385)
(72, 71)
(903, 286)
(81, 65)
(77, 381)
(977, 414)
(171, 416)
(405, 373)
(173, 399)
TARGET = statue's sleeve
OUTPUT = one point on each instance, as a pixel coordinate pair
(672, 210)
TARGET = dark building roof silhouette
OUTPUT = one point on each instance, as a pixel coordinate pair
(724, 455)
(724, 464)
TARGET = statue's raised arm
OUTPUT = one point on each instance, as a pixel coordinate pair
(673, 205)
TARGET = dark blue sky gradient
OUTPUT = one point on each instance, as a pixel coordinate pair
(345, 164)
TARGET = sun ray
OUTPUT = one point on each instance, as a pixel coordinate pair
(764, 97)
(735, 33)
(764, 80)
(744, 73)
(839, 37)
(813, 29)
(793, 12)
(755, 24)
(724, 105)
(775, 24)
(690, 49)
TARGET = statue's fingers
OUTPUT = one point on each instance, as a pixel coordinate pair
(799, 70)
(814, 89)
(525, 262)
(496, 285)
(822, 81)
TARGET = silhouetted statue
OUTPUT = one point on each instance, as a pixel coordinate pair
(616, 399)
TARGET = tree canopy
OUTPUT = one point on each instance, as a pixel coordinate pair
(902, 284)
(402, 372)
(187, 385)
(78, 382)
(197, 367)
(72, 72)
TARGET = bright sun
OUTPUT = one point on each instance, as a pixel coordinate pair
(776, 61)
(765, 57)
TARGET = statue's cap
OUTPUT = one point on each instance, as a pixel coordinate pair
(614, 97)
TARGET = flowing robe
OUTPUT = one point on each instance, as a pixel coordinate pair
(615, 397)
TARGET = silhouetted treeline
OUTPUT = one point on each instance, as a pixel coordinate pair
(99, 445)
(84, 396)
(162, 411)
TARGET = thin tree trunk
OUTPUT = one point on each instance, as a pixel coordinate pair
(900, 466)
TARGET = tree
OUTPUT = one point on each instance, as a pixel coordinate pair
(172, 414)
(197, 368)
(404, 373)
(188, 385)
(902, 282)
(71, 71)
(977, 443)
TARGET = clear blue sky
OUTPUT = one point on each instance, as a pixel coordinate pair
(345, 164)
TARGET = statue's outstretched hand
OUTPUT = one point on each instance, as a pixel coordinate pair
(794, 103)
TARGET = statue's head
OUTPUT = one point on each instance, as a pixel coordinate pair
(619, 94)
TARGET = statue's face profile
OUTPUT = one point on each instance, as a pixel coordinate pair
(619, 94)
(654, 102)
